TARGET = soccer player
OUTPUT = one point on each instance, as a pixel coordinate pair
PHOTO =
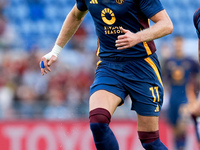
(196, 19)
(195, 109)
(180, 74)
(128, 64)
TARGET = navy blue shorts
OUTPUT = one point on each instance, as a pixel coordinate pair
(174, 113)
(140, 79)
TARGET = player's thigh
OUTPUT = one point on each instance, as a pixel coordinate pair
(104, 99)
(147, 123)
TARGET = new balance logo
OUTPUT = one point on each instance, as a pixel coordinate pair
(93, 2)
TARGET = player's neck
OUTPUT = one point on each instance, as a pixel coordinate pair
(179, 54)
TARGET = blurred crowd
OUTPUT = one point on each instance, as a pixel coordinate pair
(25, 93)
(62, 93)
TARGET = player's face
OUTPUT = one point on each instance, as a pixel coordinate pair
(178, 45)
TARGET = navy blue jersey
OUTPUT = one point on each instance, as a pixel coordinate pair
(196, 19)
(178, 73)
(110, 15)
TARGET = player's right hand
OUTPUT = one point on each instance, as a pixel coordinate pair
(46, 61)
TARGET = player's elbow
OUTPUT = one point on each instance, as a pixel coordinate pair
(169, 27)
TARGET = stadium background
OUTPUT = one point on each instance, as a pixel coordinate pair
(50, 112)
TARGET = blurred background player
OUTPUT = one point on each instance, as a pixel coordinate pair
(196, 19)
(180, 78)
(195, 108)
(125, 42)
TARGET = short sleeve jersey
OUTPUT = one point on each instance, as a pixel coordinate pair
(110, 15)
(196, 19)
(178, 73)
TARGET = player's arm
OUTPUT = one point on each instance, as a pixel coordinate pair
(163, 26)
(192, 89)
(70, 25)
(196, 21)
(199, 49)
(193, 104)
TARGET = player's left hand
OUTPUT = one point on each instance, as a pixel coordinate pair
(129, 39)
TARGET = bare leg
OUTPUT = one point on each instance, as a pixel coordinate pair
(104, 99)
(102, 106)
(147, 123)
(148, 133)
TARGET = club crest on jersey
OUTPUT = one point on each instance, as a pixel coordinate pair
(119, 1)
(108, 13)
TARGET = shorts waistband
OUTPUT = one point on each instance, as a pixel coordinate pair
(122, 59)
(117, 59)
